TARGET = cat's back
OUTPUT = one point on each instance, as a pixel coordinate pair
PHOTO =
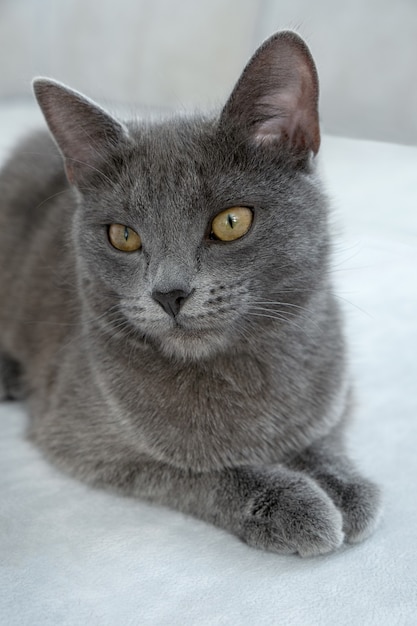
(33, 170)
(36, 205)
(30, 181)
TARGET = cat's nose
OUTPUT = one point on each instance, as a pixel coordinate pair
(171, 301)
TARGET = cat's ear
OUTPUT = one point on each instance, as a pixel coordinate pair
(276, 97)
(84, 132)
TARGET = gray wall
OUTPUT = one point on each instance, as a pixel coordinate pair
(189, 52)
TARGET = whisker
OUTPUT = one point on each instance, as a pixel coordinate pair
(355, 306)
(272, 311)
(279, 303)
(303, 310)
(55, 195)
(279, 318)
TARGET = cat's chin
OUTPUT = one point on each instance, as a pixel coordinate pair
(191, 345)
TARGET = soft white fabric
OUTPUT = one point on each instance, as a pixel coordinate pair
(71, 555)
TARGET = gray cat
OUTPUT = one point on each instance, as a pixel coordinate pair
(167, 308)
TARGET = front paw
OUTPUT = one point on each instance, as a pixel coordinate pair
(360, 502)
(294, 517)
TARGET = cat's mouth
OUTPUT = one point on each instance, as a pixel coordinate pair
(189, 331)
(192, 345)
(188, 340)
(188, 335)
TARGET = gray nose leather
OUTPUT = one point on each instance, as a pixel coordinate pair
(171, 301)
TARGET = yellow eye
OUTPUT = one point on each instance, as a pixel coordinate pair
(124, 238)
(232, 223)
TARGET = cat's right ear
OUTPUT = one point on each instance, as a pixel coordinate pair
(83, 131)
(275, 101)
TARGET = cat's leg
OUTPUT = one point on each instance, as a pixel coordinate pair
(273, 508)
(11, 387)
(356, 497)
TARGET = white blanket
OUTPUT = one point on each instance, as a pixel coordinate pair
(70, 555)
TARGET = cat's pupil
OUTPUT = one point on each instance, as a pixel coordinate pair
(126, 233)
(231, 219)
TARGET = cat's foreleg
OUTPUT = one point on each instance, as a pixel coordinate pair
(272, 508)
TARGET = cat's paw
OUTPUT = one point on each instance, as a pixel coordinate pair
(360, 502)
(296, 518)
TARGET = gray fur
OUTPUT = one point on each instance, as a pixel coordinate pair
(234, 410)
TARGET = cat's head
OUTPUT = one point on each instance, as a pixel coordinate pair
(195, 233)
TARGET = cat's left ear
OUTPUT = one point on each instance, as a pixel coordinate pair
(84, 132)
(276, 98)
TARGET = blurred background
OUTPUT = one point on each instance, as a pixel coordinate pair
(189, 53)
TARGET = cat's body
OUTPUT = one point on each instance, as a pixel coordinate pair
(206, 374)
